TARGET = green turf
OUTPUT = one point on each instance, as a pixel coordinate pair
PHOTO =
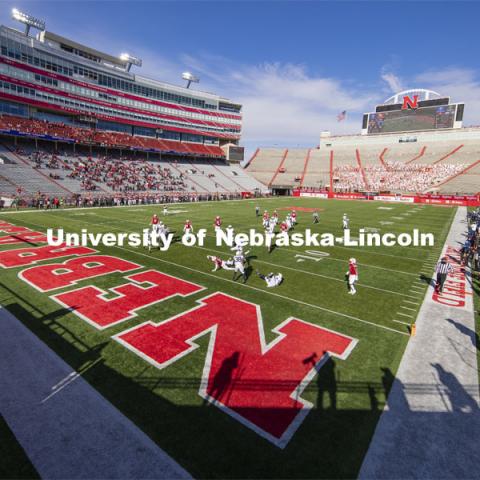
(166, 405)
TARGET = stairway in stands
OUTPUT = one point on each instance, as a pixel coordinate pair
(21, 172)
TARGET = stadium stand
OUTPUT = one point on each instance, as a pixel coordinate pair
(317, 172)
(265, 163)
(64, 172)
(445, 163)
(291, 171)
(468, 180)
(15, 125)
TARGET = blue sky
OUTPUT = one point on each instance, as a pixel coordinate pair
(293, 64)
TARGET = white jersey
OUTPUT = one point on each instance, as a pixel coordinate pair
(228, 265)
(269, 237)
(345, 221)
(274, 280)
(238, 261)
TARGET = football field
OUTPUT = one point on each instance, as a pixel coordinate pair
(297, 412)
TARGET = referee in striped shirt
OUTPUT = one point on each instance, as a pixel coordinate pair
(443, 269)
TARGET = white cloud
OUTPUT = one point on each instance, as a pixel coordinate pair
(393, 82)
(460, 84)
(282, 103)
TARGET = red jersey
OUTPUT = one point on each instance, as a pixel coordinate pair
(154, 220)
(217, 261)
(283, 227)
(293, 215)
(265, 216)
(218, 222)
(188, 225)
(352, 269)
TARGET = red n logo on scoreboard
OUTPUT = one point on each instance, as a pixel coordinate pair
(409, 103)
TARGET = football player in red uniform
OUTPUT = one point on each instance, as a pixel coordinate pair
(219, 263)
(352, 275)
(217, 225)
(188, 228)
(294, 217)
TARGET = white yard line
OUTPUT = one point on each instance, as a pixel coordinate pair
(403, 323)
(413, 303)
(284, 297)
(391, 292)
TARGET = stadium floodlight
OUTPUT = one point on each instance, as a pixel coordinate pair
(130, 60)
(28, 21)
(190, 78)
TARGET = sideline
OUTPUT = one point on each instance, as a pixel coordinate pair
(158, 205)
(67, 429)
(433, 433)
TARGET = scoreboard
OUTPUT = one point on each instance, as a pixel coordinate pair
(426, 115)
(423, 118)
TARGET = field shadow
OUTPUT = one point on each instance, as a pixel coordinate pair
(167, 406)
(471, 334)
(426, 279)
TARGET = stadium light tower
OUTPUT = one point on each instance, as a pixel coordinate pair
(190, 78)
(130, 60)
(28, 21)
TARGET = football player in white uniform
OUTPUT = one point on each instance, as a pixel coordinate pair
(272, 279)
(239, 266)
(289, 221)
(345, 222)
(165, 210)
(269, 237)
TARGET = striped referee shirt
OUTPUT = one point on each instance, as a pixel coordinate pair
(443, 268)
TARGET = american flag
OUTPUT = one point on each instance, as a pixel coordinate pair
(341, 116)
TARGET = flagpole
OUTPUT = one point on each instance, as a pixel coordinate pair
(331, 173)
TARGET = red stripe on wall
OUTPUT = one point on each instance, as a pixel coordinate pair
(110, 118)
(118, 93)
(55, 91)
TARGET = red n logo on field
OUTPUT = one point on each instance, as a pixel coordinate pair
(409, 103)
(91, 304)
(257, 383)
